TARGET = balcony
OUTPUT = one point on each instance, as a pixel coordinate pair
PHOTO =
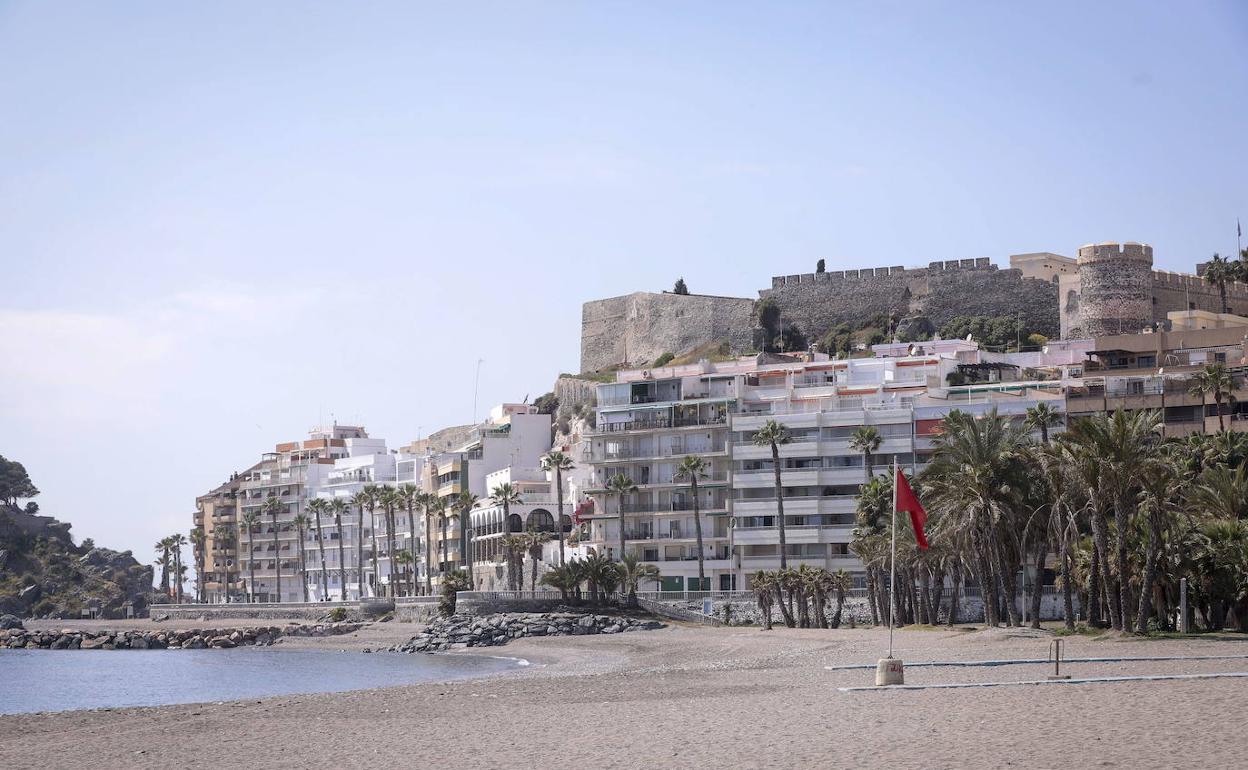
(654, 507)
(630, 453)
(606, 428)
(717, 477)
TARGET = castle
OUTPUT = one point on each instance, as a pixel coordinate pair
(1108, 289)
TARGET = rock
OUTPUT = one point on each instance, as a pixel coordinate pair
(93, 644)
(459, 632)
(10, 621)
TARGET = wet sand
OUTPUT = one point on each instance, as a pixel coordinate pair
(697, 697)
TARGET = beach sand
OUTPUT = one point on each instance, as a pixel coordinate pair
(692, 697)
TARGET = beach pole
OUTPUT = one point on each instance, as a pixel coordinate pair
(889, 670)
(1183, 605)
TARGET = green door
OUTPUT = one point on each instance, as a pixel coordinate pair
(672, 584)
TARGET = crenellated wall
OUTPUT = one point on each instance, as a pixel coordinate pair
(816, 302)
(1117, 291)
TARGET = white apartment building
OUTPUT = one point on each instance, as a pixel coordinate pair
(515, 436)
(292, 473)
(649, 419)
(369, 463)
(490, 523)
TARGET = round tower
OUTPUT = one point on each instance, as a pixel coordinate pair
(1115, 288)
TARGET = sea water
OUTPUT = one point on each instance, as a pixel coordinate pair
(60, 680)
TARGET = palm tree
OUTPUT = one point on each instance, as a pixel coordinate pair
(273, 505)
(513, 549)
(632, 572)
(1215, 379)
(841, 583)
(557, 462)
(533, 542)
(251, 520)
(411, 497)
(434, 507)
(222, 535)
(372, 494)
(404, 559)
(866, 440)
(198, 540)
(773, 434)
(390, 500)
(974, 484)
(444, 513)
(505, 495)
(693, 467)
(164, 562)
(361, 500)
(176, 541)
(602, 575)
(619, 485)
(1041, 417)
(1220, 271)
(319, 506)
(301, 525)
(1159, 497)
(465, 501)
(338, 507)
(1221, 492)
(763, 584)
(1124, 446)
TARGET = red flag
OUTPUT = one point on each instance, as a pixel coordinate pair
(908, 501)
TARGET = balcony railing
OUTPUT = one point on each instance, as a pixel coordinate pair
(630, 453)
(683, 505)
(659, 424)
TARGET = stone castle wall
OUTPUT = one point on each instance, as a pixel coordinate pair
(1115, 282)
(637, 328)
(1117, 291)
(816, 302)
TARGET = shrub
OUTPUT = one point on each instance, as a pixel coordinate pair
(337, 614)
(663, 360)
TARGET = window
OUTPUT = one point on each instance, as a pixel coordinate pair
(1146, 362)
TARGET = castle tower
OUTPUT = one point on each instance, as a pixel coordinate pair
(1115, 294)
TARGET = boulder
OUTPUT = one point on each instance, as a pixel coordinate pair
(10, 621)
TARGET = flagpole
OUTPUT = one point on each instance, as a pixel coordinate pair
(892, 574)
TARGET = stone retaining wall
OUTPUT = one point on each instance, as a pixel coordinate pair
(245, 611)
(181, 639)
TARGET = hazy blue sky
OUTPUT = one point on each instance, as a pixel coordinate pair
(222, 222)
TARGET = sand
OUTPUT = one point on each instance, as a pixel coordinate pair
(692, 697)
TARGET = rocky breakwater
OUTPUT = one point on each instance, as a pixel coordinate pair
(460, 631)
(187, 639)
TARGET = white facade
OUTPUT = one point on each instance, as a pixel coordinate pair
(647, 421)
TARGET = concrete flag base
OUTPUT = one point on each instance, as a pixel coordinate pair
(889, 671)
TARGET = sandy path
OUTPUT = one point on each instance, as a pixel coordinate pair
(695, 697)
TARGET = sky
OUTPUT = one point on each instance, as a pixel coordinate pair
(223, 223)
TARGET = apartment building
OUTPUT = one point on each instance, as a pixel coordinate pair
(514, 436)
(367, 462)
(647, 422)
(216, 512)
(490, 523)
(292, 473)
(649, 419)
(1154, 371)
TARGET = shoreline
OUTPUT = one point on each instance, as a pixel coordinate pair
(701, 697)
